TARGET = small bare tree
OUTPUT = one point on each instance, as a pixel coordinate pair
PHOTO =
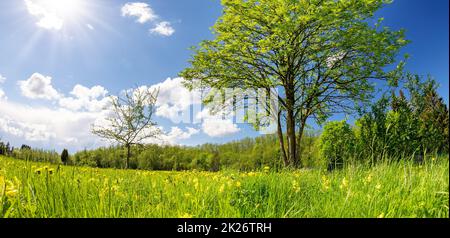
(130, 122)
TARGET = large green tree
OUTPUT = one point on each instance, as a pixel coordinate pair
(321, 55)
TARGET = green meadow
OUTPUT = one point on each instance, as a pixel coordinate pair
(395, 189)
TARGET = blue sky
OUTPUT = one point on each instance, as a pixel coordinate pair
(102, 46)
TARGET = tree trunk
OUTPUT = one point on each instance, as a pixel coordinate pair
(281, 140)
(299, 141)
(127, 163)
(292, 145)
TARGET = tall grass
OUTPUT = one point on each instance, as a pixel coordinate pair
(401, 189)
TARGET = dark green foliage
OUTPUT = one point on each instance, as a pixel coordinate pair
(64, 156)
(337, 144)
(401, 126)
(432, 115)
(37, 155)
(2, 148)
(370, 131)
(247, 154)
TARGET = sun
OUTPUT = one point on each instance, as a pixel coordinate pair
(53, 14)
(64, 9)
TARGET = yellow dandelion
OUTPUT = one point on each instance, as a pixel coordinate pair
(38, 171)
(381, 215)
(238, 184)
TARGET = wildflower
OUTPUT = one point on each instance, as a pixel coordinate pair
(266, 169)
(114, 188)
(186, 215)
(369, 178)
(325, 182)
(381, 215)
(222, 188)
(238, 184)
(295, 186)
(11, 192)
(344, 183)
(8, 188)
(378, 186)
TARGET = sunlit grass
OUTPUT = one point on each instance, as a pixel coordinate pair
(386, 190)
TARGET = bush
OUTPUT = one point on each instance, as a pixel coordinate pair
(337, 144)
(65, 156)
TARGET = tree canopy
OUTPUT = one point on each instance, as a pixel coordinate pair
(322, 56)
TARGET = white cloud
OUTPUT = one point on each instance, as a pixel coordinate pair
(47, 19)
(163, 28)
(38, 86)
(176, 135)
(51, 126)
(217, 125)
(141, 10)
(91, 99)
(174, 100)
(2, 95)
(29, 131)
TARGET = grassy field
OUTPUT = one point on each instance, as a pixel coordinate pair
(395, 190)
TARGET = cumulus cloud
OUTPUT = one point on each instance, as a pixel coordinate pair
(217, 125)
(53, 126)
(174, 100)
(90, 99)
(2, 79)
(163, 28)
(142, 11)
(38, 86)
(2, 95)
(175, 135)
(46, 19)
(143, 14)
(176, 103)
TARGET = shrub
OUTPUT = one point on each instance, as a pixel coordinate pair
(65, 156)
(337, 144)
